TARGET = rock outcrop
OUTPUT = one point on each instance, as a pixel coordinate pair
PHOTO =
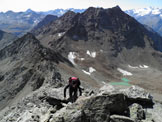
(47, 105)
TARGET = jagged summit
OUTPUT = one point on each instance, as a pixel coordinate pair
(48, 19)
(103, 39)
(69, 13)
(29, 10)
(98, 20)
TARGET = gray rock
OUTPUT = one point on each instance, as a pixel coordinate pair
(154, 114)
(95, 108)
(136, 94)
(136, 112)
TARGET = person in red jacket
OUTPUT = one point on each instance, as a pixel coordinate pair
(74, 86)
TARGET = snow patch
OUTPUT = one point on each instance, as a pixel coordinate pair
(28, 16)
(61, 34)
(91, 54)
(156, 11)
(144, 66)
(91, 70)
(124, 72)
(161, 15)
(140, 66)
(36, 21)
(82, 59)
(145, 11)
(142, 11)
(86, 72)
(71, 57)
(134, 67)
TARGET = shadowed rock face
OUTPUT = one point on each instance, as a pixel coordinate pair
(99, 24)
(48, 19)
(6, 39)
(25, 66)
(111, 30)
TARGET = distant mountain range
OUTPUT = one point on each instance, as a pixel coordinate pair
(60, 12)
(151, 17)
(20, 23)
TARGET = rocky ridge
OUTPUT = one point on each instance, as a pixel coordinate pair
(109, 104)
(6, 39)
(48, 19)
(25, 66)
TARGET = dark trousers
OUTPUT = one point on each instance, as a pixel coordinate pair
(73, 94)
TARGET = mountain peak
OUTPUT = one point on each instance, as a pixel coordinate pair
(69, 13)
(29, 35)
(29, 11)
(92, 10)
(97, 11)
(117, 8)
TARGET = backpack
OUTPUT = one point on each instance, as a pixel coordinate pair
(74, 82)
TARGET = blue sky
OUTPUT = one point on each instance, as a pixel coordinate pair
(44, 5)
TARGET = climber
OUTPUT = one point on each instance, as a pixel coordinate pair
(73, 85)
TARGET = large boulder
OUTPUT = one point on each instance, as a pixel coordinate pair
(36, 107)
(136, 112)
(108, 105)
(95, 108)
(136, 94)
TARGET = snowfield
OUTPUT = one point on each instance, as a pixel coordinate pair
(91, 54)
(140, 66)
(144, 66)
(61, 34)
(71, 57)
(91, 70)
(124, 72)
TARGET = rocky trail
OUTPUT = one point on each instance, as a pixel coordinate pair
(109, 104)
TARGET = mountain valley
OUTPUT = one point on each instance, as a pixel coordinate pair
(109, 51)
